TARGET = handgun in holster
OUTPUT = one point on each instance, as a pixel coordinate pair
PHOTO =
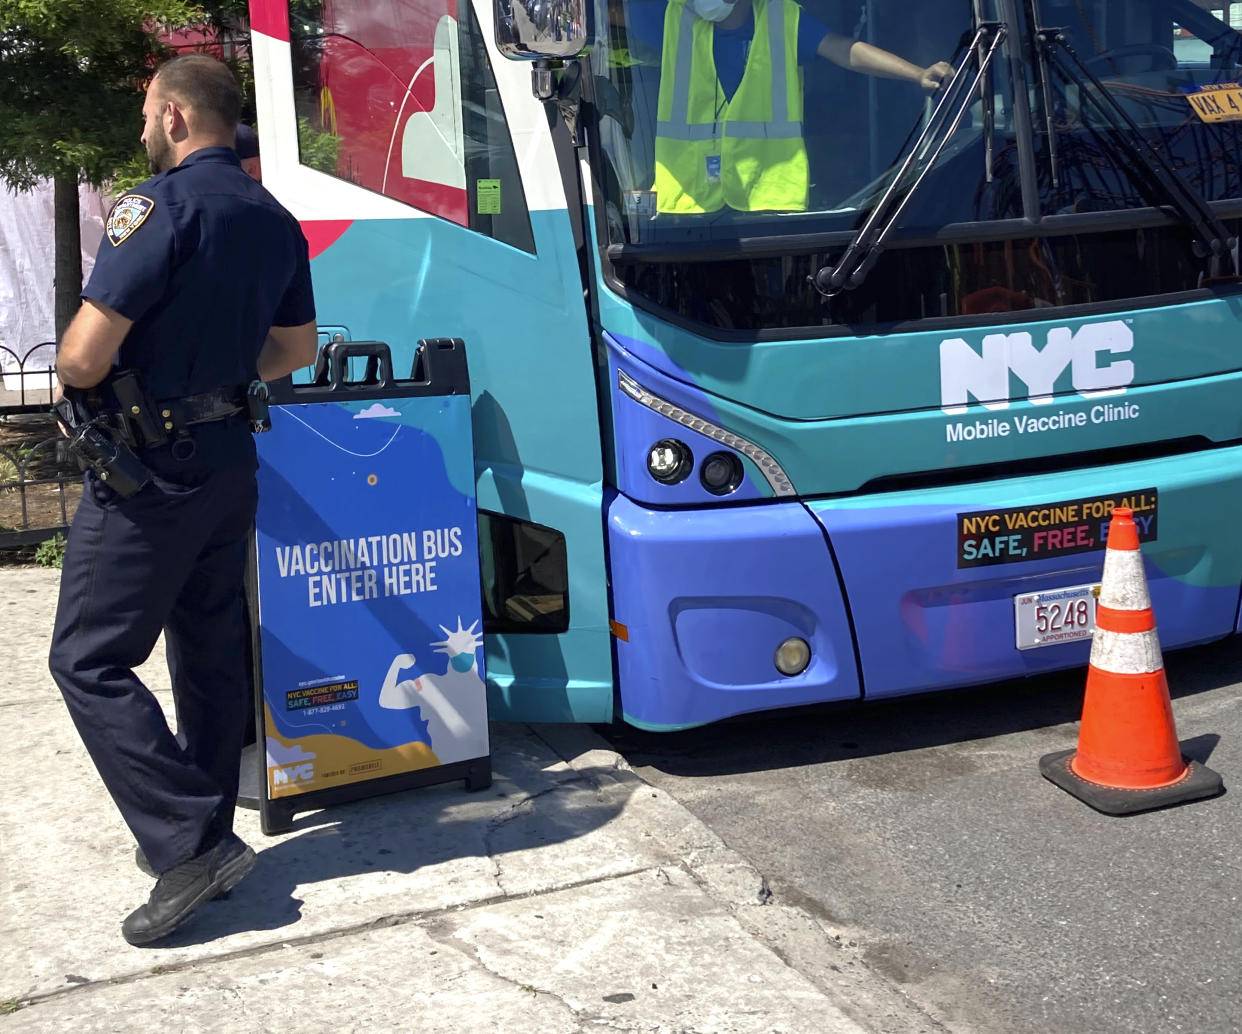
(97, 446)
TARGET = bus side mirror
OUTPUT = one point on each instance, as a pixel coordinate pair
(533, 30)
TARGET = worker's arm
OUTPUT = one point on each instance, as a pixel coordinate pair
(863, 57)
(287, 349)
(90, 344)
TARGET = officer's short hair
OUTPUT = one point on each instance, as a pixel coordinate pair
(202, 84)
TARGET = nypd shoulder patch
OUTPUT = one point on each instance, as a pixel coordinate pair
(129, 213)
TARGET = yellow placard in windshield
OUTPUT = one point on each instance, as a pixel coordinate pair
(1217, 102)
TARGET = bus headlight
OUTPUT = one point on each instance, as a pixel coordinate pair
(669, 461)
(721, 473)
(768, 467)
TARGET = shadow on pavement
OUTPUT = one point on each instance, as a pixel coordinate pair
(1199, 748)
(465, 843)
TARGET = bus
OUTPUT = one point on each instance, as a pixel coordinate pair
(855, 447)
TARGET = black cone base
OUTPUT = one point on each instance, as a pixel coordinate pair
(1199, 782)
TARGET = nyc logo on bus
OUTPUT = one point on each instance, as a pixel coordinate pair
(985, 375)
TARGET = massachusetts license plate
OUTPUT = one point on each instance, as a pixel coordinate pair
(1055, 616)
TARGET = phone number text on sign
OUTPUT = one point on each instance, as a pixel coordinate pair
(1020, 533)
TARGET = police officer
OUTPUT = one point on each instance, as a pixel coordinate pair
(201, 284)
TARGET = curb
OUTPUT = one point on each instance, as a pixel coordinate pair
(830, 958)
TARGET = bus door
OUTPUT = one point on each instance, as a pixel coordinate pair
(388, 127)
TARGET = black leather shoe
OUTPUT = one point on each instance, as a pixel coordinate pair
(183, 889)
(144, 866)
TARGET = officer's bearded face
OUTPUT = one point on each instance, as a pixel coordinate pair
(154, 138)
(159, 151)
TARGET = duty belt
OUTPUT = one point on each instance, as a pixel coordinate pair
(117, 416)
(202, 408)
(142, 422)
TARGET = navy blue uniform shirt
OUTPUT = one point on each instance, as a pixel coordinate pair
(204, 261)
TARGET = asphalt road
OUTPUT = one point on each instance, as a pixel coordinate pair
(922, 831)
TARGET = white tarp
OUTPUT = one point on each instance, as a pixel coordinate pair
(27, 267)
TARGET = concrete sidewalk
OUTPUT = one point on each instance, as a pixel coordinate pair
(570, 896)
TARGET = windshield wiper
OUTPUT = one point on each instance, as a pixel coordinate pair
(862, 252)
(987, 99)
(1212, 238)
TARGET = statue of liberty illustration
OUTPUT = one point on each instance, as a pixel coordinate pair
(454, 704)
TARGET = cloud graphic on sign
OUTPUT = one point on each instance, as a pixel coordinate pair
(279, 754)
(377, 409)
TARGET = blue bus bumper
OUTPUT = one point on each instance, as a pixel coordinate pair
(707, 595)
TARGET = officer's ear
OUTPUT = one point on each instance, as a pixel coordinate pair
(175, 122)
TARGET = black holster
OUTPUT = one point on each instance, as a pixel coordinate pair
(137, 410)
(98, 446)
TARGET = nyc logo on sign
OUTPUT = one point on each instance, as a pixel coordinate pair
(985, 375)
(286, 774)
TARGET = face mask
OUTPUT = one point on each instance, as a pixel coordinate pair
(713, 10)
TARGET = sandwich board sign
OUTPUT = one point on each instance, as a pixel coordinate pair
(365, 602)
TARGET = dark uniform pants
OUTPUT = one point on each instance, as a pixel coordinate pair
(171, 558)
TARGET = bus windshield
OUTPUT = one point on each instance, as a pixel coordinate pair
(694, 117)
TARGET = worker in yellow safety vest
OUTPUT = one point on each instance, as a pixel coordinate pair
(729, 128)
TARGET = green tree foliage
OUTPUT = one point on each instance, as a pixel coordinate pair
(70, 71)
(71, 76)
(71, 80)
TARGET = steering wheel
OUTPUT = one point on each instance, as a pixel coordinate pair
(1162, 57)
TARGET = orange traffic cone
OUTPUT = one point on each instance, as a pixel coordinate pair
(1128, 758)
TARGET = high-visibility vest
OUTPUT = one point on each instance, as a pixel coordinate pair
(748, 152)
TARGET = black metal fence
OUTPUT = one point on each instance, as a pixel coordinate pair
(39, 485)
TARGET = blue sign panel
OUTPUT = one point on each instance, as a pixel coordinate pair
(370, 628)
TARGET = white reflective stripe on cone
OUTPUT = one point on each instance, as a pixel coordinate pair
(1126, 653)
(1124, 586)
